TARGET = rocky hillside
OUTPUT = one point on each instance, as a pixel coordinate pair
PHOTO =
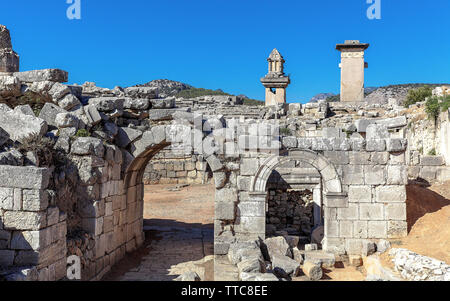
(167, 87)
(378, 95)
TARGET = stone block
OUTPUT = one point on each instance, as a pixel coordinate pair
(360, 229)
(396, 211)
(396, 145)
(371, 212)
(359, 194)
(19, 126)
(359, 158)
(390, 194)
(337, 157)
(377, 229)
(397, 175)
(379, 158)
(20, 220)
(84, 146)
(214, 163)
(290, 142)
(376, 145)
(331, 229)
(346, 229)
(224, 210)
(34, 200)
(397, 229)
(249, 167)
(353, 174)
(376, 131)
(51, 75)
(374, 174)
(353, 246)
(431, 161)
(126, 136)
(251, 209)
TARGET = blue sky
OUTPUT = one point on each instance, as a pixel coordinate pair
(224, 44)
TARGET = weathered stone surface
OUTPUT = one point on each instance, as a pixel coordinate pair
(49, 113)
(6, 258)
(84, 146)
(167, 103)
(20, 126)
(376, 131)
(21, 220)
(92, 114)
(126, 136)
(188, 277)
(396, 145)
(107, 104)
(320, 258)
(285, 267)
(252, 265)
(58, 91)
(66, 120)
(275, 246)
(52, 75)
(259, 277)
(69, 102)
(4, 136)
(239, 251)
(25, 109)
(431, 161)
(24, 177)
(35, 200)
(136, 103)
(214, 163)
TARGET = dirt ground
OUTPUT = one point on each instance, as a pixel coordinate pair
(178, 226)
(428, 216)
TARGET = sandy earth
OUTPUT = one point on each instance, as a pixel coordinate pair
(428, 215)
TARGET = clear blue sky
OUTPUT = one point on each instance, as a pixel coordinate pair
(224, 44)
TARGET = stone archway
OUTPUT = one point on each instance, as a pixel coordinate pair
(331, 185)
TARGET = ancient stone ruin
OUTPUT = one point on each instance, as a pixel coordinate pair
(328, 176)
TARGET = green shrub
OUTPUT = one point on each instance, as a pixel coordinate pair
(417, 95)
(432, 152)
(82, 133)
(432, 107)
(41, 146)
(435, 105)
(197, 92)
(285, 132)
(253, 102)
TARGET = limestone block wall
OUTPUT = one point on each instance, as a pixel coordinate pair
(32, 228)
(169, 168)
(363, 190)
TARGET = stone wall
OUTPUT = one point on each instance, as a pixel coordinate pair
(169, 168)
(32, 229)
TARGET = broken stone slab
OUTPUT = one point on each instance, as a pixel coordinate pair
(392, 123)
(20, 126)
(368, 248)
(285, 267)
(127, 135)
(141, 92)
(317, 235)
(167, 103)
(92, 115)
(9, 86)
(67, 120)
(58, 91)
(84, 146)
(107, 104)
(188, 277)
(139, 146)
(49, 113)
(239, 250)
(52, 75)
(69, 102)
(321, 258)
(383, 245)
(165, 114)
(313, 271)
(136, 103)
(275, 246)
(252, 265)
(25, 109)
